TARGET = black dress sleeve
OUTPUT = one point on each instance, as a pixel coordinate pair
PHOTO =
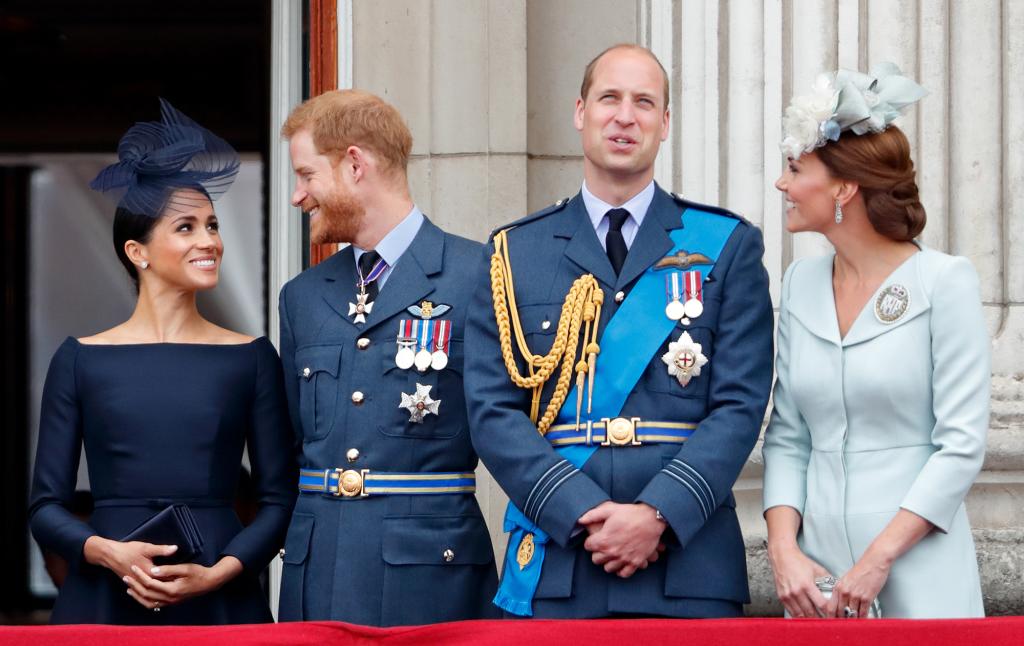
(274, 471)
(58, 452)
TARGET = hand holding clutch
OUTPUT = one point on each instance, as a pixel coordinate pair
(175, 525)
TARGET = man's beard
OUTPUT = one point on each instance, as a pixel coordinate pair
(339, 219)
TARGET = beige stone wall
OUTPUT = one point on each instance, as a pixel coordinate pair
(488, 88)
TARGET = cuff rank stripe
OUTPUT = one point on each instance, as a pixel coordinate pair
(704, 483)
(551, 479)
(687, 481)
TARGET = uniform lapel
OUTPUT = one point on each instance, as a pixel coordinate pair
(584, 249)
(339, 286)
(652, 241)
(409, 281)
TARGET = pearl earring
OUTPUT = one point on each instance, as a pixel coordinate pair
(839, 212)
(145, 264)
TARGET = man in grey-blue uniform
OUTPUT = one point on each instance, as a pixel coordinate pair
(386, 530)
(621, 360)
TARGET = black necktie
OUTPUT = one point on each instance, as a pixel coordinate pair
(614, 243)
(366, 263)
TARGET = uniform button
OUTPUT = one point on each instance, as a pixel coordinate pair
(545, 325)
(620, 296)
(305, 372)
(448, 555)
(357, 398)
(352, 455)
(362, 343)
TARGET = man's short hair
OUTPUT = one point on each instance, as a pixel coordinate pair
(588, 73)
(342, 118)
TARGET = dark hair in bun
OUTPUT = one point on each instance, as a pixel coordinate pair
(880, 164)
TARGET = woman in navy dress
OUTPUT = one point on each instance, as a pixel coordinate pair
(164, 404)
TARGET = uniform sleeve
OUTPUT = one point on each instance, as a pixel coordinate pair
(701, 476)
(274, 471)
(291, 381)
(58, 451)
(787, 442)
(961, 380)
(542, 484)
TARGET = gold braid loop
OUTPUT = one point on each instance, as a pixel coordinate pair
(582, 305)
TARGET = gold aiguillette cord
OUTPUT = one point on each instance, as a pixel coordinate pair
(581, 310)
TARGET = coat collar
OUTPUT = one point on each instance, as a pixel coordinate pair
(408, 283)
(652, 240)
(812, 300)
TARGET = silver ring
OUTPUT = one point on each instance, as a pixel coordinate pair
(156, 606)
(849, 612)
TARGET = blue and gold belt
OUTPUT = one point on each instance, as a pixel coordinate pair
(620, 431)
(353, 483)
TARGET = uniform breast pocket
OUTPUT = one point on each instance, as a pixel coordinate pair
(539, 324)
(443, 386)
(317, 368)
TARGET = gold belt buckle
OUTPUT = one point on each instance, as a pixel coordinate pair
(351, 483)
(620, 431)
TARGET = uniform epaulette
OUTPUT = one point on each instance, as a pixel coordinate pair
(682, 201)
(536, 215)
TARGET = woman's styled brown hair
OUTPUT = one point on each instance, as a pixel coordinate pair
(880, 164)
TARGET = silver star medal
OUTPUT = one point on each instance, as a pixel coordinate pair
(420, 404)
(360, 308)
(684, 359)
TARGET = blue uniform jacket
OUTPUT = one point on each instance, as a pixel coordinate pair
(381, 560)
(704, 571)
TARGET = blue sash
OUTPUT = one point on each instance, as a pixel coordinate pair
(628, 342)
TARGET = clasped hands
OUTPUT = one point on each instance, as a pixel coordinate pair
(623, 538)
(155, 586)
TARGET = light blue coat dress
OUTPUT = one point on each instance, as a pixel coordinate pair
(893, 415)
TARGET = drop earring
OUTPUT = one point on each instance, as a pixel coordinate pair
(839, 212)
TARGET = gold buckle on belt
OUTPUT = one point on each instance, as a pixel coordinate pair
(351, 483)
(620, 431)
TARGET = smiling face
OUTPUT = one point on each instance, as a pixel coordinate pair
(623, 119)
(335, 215)
(184, 249)
(810, 194)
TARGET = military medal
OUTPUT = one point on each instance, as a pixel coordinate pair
(420, 404)
(693, 307)
(675, 309)
(442, 339)
(892, 304)
(684, 359)
(424, 355)
(360, 308)
(363, 306)
(406, 341)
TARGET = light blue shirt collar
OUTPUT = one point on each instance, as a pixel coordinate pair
(636, 205)
(394, 244)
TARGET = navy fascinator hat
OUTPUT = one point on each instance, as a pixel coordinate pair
(156, 159)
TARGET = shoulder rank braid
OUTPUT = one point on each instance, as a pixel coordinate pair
(581, 310)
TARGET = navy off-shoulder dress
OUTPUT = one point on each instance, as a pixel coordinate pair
(163, 423)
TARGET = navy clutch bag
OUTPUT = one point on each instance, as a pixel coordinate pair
(175, 525)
